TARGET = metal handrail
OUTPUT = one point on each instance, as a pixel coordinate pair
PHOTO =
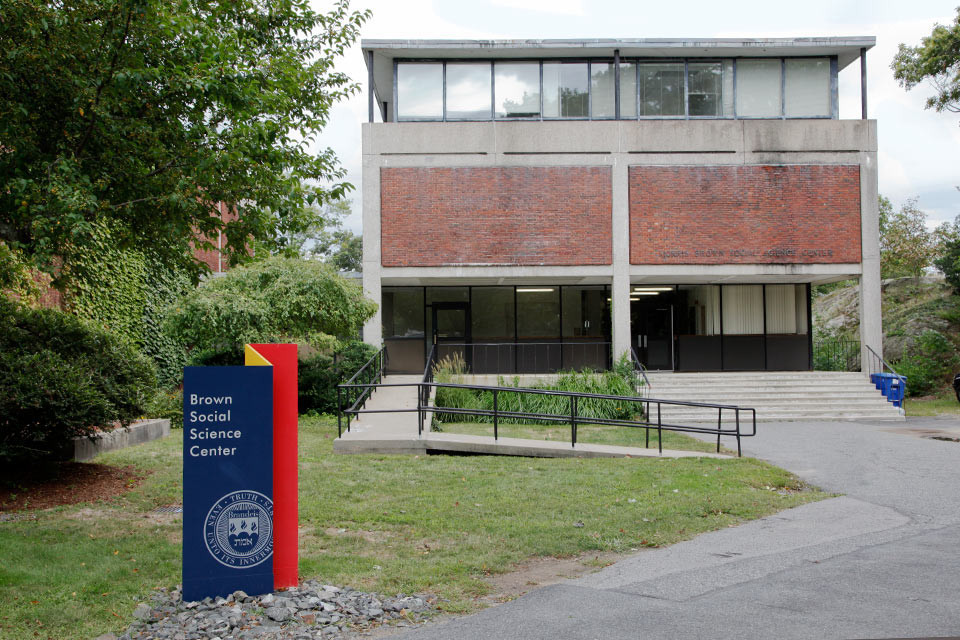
(574, 418)
(638, 367)
(368, 389)
(881, 364)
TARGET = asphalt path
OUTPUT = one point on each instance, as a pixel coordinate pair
(882, 561)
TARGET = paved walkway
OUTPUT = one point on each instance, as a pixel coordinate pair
(882, 561)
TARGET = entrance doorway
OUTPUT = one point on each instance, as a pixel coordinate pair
(451, 326)
(653, 333)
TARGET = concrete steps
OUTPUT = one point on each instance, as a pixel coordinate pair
(776, 395)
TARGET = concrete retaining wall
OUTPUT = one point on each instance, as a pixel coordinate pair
(137, 433)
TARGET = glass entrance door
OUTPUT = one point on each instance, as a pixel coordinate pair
(654, 335)
(451, 329)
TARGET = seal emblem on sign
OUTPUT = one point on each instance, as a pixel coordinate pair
(238, 529)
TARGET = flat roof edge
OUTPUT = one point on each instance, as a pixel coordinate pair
(833, 41)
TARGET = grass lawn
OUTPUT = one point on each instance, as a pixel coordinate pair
(388, 523)
(592, 434)
(943, 404)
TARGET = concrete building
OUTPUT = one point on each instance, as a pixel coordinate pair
(556, 203)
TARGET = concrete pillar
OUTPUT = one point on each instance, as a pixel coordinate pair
(373, 328)
(871, 319)
(620, 288)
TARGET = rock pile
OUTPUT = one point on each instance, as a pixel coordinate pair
(312, 610)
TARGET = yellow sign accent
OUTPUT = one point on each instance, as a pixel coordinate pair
(254, 359)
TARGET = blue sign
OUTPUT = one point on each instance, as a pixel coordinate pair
(227, 481)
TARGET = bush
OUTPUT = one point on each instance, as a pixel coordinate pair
(618, 382)
(320, 374)
(167, 404)
(62, 378)
(930, 366)
(278, 299)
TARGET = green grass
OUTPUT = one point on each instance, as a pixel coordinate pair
(386, 523)
(589, 434)
(943, 404)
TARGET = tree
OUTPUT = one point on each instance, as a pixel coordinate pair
(937, 59)
(948, 260)
(275, 299)
(326, 240)
(346, 251)
(130, 117)
(907, 248)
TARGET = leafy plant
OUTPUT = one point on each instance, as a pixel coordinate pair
(277, 299)
(166, 404)
(319, 375)
(62, 378)
(618, 382)
(929, 367)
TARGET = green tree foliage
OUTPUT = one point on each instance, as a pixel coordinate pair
(931, 366)
(279, 298)
(937, 59)
(907, 247)
(948, 260)
(62, 378)
(325, 239)
(134, 115)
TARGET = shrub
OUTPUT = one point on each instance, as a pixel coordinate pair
(618, 382)
(930, 366)
(167, 404)
(319, 375)
(61, 378)
(283, 299)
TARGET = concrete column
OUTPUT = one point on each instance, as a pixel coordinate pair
(373, 328)
(871, 319)
(620, 289)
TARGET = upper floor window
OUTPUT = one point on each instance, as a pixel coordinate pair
(588, 89)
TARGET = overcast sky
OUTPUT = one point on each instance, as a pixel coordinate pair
(919, 154)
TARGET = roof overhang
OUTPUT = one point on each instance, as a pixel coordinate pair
(846, 48)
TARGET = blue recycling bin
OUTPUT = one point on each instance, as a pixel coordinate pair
(892, 386)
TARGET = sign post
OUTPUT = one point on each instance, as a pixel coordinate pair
(228, 510)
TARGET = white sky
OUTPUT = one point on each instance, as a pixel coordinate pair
(918, 148)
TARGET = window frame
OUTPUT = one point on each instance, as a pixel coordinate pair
(616, 61)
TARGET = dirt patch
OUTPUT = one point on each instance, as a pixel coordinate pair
(540, 572)
(68, 483)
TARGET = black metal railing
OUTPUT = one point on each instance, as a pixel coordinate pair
(836, 355)
(642, 382)
(527, 357)
(645, 417)
(354, 392)
(876, 364)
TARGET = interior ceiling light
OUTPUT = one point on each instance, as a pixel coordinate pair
(636, 289)
(532, 290)
(645, 293)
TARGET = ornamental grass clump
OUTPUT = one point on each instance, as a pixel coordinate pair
(452, 369)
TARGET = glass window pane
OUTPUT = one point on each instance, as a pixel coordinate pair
(742, 309)
(602, 90)
(491, 314)
(402, 312)
(628, 90)
(661, 89)
(538, 313)
(807, 89)
(468, 91)
(781, 309)
(564, 90)
(758, 88)
(705, 86)
(702, 312)
(420, 91)
(584, 311)
(728, 88)
(517, 89)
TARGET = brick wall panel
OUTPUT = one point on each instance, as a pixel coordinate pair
(793, 214)
(495, 215)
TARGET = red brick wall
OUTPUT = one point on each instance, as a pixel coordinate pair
(212, 257)
(745, 214)
(495, 215)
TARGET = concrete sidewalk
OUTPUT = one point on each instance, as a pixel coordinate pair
(883, 561)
